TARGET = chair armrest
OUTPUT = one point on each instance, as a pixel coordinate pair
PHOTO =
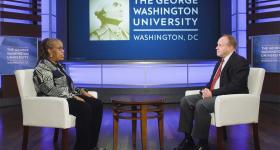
(236, 109)
(191, 92)
(93, 93)
(45, 111)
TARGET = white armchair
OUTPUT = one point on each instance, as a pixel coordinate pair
(42, 111)
(237, 109)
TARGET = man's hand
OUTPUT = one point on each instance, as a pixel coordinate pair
(79, 99)
(206, 93)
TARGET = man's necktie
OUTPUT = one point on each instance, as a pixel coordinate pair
(217, 75)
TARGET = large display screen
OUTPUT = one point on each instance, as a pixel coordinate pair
(17, 52)
(143, 29)
(266, 52)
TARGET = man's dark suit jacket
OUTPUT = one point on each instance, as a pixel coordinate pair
(234, 76)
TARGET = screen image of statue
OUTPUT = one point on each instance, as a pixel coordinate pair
(109, 20)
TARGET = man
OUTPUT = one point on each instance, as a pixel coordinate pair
(230, 76)
(111, 17)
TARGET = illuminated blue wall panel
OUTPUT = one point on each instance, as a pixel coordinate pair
(239, 27)
(48, 18)
(241, 37)
(53, 24)
(200, 73)
(53, 6)
(45, 23)
(241, 6)
(45, 6)
(242, 22)
(141, 75)
(124, 75)
(233, 20)
(85, 74)
(167, 74)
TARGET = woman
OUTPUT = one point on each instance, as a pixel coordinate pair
(50, 79)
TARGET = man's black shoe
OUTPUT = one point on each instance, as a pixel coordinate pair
(185, 144)
(200, 147)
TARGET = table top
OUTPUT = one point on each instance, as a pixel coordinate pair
(138, 99)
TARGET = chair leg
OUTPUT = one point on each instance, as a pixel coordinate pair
(144, 127)
(225, 133)
(64, 139)
(220, 142)
(160, 130)
(134, 130)
(25, 137)
(55, 136)
(134, 126)
(115, 130)
(256, 136)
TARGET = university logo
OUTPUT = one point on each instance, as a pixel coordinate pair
(109, 20)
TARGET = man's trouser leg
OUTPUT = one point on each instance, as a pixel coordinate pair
(187, 105)
(202, 117)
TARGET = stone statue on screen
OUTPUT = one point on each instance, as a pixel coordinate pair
(110, 17)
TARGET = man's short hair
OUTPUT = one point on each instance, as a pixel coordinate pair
(231, 40)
